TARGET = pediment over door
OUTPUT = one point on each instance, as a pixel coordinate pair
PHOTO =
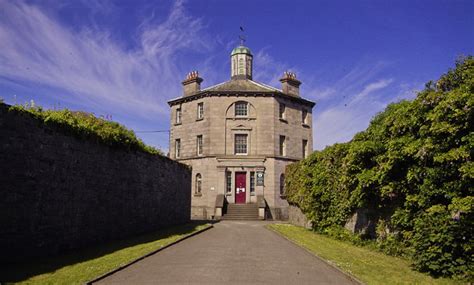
(241, 128)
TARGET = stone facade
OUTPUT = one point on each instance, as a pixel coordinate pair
(209, 125)
(60, 193)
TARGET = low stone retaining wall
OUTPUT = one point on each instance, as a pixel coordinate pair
(297, 218)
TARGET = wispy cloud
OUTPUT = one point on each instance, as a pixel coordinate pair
(90, 66)
(339, 120)
(370, 88)
(346, 105)
(267, 69)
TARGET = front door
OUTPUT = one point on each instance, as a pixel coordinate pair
(240, 181)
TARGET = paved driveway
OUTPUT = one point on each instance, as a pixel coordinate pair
(232, 252)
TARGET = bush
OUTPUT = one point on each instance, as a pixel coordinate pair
(442, 240)
(86, 125)
(412, 167)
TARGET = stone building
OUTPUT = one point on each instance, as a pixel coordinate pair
(238, 136)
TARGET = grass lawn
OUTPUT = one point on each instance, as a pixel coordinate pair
(87, 264)
(370, 267)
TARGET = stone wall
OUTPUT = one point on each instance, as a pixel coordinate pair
(58, 192)
(296, 217)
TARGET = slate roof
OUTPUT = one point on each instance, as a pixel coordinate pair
(244, 85)
(240, 87)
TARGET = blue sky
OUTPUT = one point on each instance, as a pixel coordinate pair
(126, 59)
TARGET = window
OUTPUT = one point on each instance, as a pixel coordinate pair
(240, 144)
(305, 147)
(241, 109)
(282, 184)
(252, 183)
(241, 65)
(178, 116)
(282, 145)
(198, 187)
(304, 116)
(177, 148)
(228, 179)
(282, 111)
(199, 145)
(200, 111)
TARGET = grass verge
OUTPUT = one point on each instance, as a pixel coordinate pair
(84, 265)
(368, 266)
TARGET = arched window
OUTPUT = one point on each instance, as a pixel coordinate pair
(282, 185)
(241, 109)
(198, 183)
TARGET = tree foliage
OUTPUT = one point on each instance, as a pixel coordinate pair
(413, 166)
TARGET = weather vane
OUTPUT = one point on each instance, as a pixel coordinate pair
(241, 36)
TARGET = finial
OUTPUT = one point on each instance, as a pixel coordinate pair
(242, 37)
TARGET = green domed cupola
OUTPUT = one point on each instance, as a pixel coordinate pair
(241, 50)
(241, 63)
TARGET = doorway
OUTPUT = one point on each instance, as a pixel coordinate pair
(240, 187)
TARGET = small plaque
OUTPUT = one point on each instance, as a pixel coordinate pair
(260, 179)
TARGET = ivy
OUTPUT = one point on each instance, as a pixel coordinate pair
(87, 126)
(413, 166)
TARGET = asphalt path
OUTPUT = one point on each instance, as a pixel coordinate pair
(233, 252)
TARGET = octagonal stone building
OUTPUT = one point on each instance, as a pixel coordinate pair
(238, 136)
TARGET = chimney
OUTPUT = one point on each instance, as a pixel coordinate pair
(289, 84)
(192, 83)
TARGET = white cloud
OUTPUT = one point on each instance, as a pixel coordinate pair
(268, 70)
(372, 87)
(90, 66)
(339, 123)
(341, 120)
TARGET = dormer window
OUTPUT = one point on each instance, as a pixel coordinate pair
(241, 109)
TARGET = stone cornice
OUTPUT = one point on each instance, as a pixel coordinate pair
(205, 94)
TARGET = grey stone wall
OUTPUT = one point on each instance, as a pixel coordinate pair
(296, 217)
(58, 192)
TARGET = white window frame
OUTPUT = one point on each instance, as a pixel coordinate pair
(282, 145)
(282, 185)
(178, 116)
(282, 111)
(200, 111)
(246, 109)
(199, 145)
(252, 183)
(305, 148)
(228, 181)
(177, 148)
(246, 144)
(304, 116)
(198, 184)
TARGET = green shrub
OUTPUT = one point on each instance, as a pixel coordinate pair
(443, 240)
(86, 125)
(410, 167)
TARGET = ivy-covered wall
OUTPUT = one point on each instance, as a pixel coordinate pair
(412, 170)
(61, 191)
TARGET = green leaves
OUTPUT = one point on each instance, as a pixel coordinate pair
(86, 125)
(413, 166)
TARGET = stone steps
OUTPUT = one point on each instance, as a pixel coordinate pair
(241, 212)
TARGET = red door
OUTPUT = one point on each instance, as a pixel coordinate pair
(240, 187)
